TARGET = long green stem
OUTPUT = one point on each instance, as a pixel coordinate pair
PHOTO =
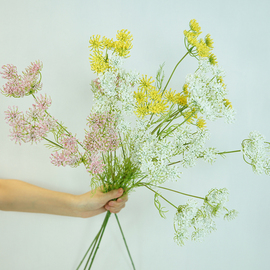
(228, 152)
(174, 71)
(146, 185)
(104, 227)
(180, 124)
(125, 241)
(198, 197)
(93, 243)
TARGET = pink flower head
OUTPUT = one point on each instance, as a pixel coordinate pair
(96, 165)
(14, 117)
(103, 133)
(43, 102)
(69, 143)
(21, 85)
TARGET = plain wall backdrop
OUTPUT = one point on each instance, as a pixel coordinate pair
(57, 32)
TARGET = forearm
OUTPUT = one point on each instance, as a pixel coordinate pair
(20, 196)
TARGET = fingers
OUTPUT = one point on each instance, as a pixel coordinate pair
(116, 206)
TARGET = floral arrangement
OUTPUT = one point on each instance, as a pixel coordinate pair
(167, 131)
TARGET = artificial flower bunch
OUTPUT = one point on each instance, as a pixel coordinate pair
(168, 129)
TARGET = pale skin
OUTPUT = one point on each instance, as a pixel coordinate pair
(16, 195)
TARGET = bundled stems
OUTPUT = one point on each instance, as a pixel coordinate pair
(95, 244)
(125, 241)
(93, 248)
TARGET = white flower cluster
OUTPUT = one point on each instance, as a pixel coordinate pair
(210, 155)
(201, 219)
(153, 155)
(113, 90)
(189, 143)
(207, 92)
(257, 152)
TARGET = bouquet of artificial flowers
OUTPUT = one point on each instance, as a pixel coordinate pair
(167, 130)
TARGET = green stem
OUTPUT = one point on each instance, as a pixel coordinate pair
(198, 197)
(104, 227)
(125, 241)
(53, 142)
(94, 242)
(146, 185)
(228, 152)
(180, 124)
(174, 71)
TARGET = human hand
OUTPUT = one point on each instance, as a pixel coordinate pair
(93, 203)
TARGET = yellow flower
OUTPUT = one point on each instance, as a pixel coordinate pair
(145, 83)
(191, 38)
(170, 96)
(123, 44)
(220, 80)
(124, 35)
(227, 103)
(140, 96)
(95, 43)
(202, 49)
(185, 89)
(98, 63)
(208, 41)
(158, 107)
(180, 99)
(108, 43)
(194, 26)
(201, 123)
(142, 110)
(154, 94)
(212, 59)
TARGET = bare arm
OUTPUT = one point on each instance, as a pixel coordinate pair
(16, 195)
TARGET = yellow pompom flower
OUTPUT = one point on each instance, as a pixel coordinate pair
(158, 107)
(142, 111)
(180, 99)
(185, 89)
(209, 41)
(95, 43)
(201, 123)
(146, 84)
(194, 26)
(191, 37)
(202, 49)
(154, 94)
(170, 96)
(227, 103)
(123, 44)
(220, 80)
(212, 59)
(140, 96)
(108, 43)
(98, 63)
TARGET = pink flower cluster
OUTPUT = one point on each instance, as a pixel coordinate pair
(69, 154)
(21, 85)
(32, 126)
(102, 136)
(95, 165)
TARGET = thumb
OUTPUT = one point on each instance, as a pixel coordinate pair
(113, 194)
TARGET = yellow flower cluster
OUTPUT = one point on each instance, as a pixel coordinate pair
(150, 100)
(203, 46)
(100, 46)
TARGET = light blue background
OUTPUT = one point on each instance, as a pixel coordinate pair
(57, 33)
